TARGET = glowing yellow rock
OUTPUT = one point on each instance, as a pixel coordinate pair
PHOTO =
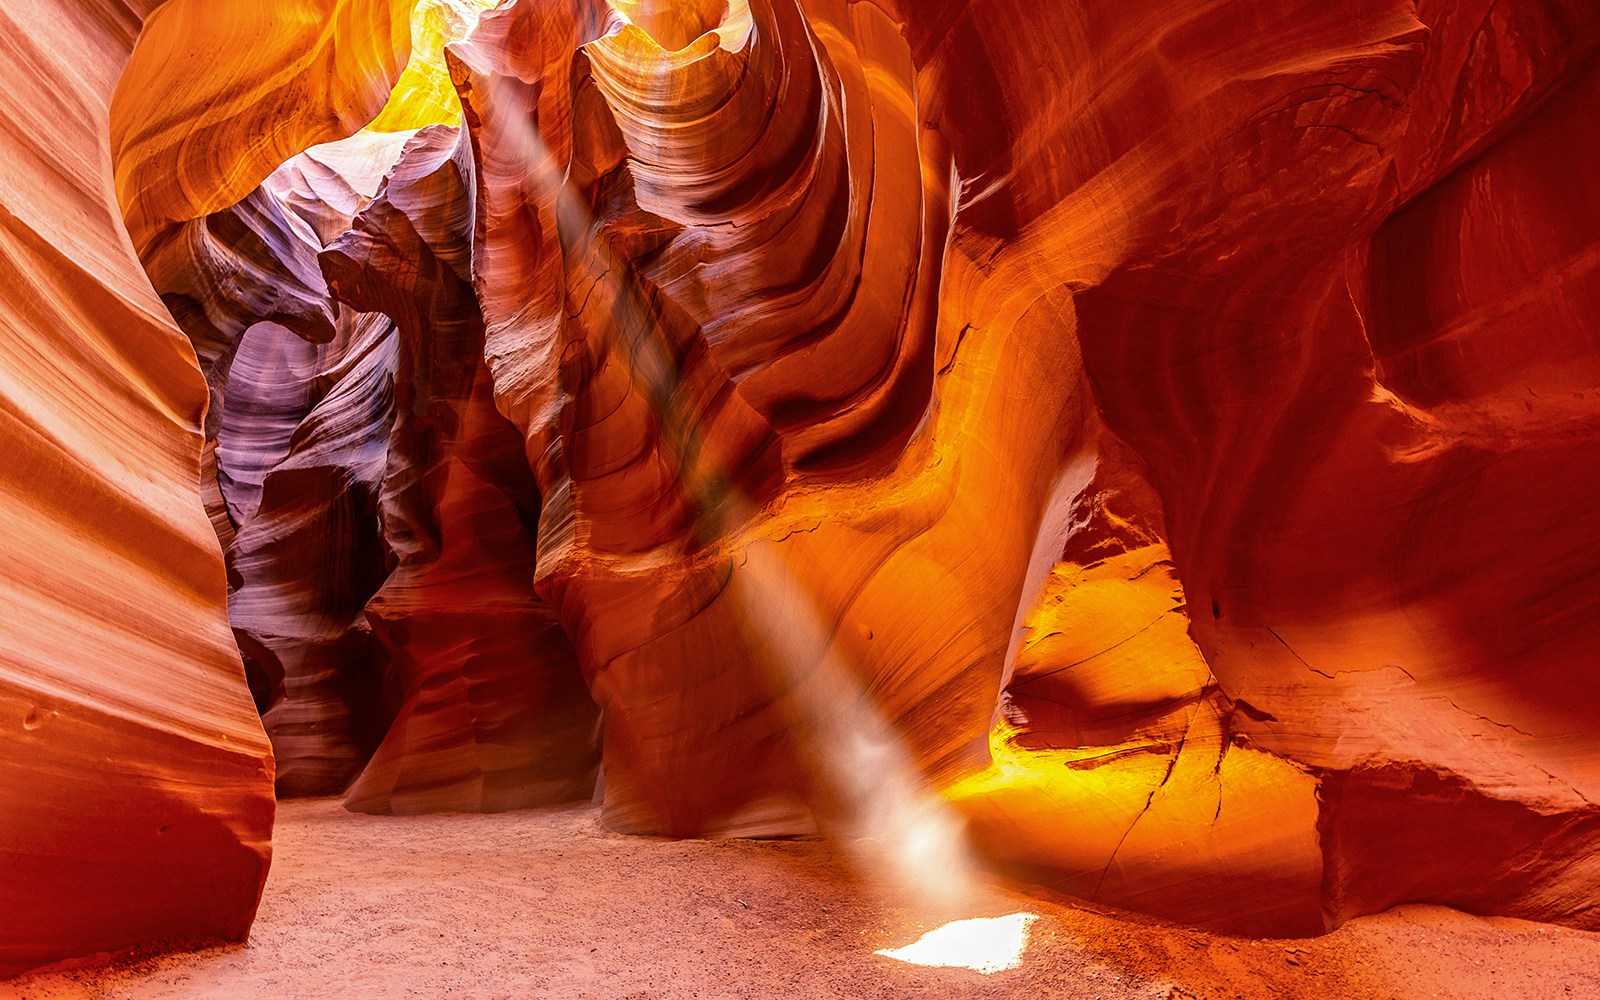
(424, 95)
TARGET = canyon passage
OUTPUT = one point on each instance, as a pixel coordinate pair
(939, 498)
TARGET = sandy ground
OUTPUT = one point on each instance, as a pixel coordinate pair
(549, 904)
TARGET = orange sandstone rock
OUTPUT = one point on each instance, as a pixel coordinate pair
(734, 255)
(1153, 277)
(493, 710)
(1378, 552)
(135, 781)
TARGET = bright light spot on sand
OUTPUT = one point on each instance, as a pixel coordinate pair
(982, 944)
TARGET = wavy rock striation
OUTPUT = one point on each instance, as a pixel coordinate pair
(1350, 514)
(378, 511)
(135, 781)
(493, 711)
(712, 228)
(979, 301)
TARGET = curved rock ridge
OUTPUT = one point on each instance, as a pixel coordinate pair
(1379, 554)
(493, 712)
(140, 788)
(296, 463)
(773, 354)
(706, 256)
(311, 556)
(278, 78)
(135, 780)
(377, 509)
(328, 185)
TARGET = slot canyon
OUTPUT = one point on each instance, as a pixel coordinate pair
(800, 498)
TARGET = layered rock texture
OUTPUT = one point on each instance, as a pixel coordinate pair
(1164, 431)
(135, 781)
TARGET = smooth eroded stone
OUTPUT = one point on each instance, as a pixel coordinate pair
(135, 780)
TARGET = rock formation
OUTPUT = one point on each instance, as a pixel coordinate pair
(1352, 518)
(493, 710)
(1172, 423)
(135, 781)
(1167, 272)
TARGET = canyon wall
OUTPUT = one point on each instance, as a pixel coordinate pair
(1327, 304)
(135, 781)
(1188, 382)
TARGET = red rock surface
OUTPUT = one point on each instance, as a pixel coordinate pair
(1171, 262)
(1384, 559)
(1260, 308)
(1164, 431)
(493, 711)
(135, 781)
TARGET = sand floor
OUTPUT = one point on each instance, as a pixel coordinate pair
(548, 904)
